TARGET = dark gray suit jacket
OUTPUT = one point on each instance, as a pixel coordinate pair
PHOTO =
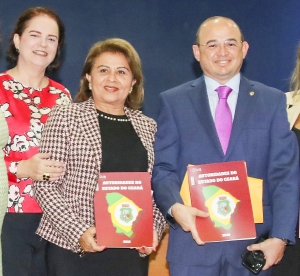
(260, 136)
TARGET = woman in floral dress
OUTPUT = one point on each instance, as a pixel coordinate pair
(26, 98)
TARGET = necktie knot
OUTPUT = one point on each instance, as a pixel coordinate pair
(223, 91)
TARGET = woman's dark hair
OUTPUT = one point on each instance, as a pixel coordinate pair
(21, 24)
(114, 45)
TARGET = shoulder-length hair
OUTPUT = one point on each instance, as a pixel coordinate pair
(114, 45)
(21, 24)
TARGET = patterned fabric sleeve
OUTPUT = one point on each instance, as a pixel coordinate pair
(159, 222)
(50, 195)
(158, 218)
(146, 129)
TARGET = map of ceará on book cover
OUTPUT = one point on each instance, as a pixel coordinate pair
(123, 210)
(222, 190)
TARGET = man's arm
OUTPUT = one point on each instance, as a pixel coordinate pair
(283, 187)
(283, 175)
(165, 182)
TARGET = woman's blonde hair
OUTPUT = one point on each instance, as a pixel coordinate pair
(295, 79)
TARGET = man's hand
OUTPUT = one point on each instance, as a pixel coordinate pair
(273, 249)
(186, 218)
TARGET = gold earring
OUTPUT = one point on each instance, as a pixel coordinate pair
(17, 50)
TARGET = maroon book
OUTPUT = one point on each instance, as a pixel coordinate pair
(123, 210)
(222, 190)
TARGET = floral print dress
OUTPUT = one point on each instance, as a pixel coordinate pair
(26, 110)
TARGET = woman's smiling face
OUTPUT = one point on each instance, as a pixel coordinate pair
(39, 42)
(111, 80)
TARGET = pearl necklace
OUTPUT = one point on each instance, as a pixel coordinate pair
(113, 119)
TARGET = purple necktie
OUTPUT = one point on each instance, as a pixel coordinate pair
(223, 118)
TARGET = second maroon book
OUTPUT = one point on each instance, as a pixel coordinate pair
(221, 189)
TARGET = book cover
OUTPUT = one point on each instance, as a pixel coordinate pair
(255, 189)
(222, 190)
(123, 210)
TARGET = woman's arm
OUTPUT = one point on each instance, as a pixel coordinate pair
(51, 195)
(37, 165)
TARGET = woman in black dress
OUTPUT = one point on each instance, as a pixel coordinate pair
(105, 132)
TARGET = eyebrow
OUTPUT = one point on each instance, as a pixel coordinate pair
(33, 31)
(231, 39)
(228, 39)
(123, 67)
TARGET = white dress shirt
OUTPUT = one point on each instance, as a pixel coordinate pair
(213, 98)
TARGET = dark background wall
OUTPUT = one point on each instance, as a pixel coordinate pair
(163, 32)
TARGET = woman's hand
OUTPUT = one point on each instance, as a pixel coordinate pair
(149, 250)
(37, 165)
(88, 243)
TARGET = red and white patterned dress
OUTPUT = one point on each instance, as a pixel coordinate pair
(26, 111)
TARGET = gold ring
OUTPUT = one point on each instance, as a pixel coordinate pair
(46, 176)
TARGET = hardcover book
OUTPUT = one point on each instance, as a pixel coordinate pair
(222, 190)
(123, 210)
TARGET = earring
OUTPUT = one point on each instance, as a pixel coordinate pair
(90, 86)
(130, 90)
(17, 50)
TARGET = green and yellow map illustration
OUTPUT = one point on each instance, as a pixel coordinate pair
(123, 212)
(221, 205)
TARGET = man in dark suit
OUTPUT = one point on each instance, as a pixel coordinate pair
(188, 133)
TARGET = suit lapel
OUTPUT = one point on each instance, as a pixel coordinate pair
(89, 125)
(199, 100)
(244, 107)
